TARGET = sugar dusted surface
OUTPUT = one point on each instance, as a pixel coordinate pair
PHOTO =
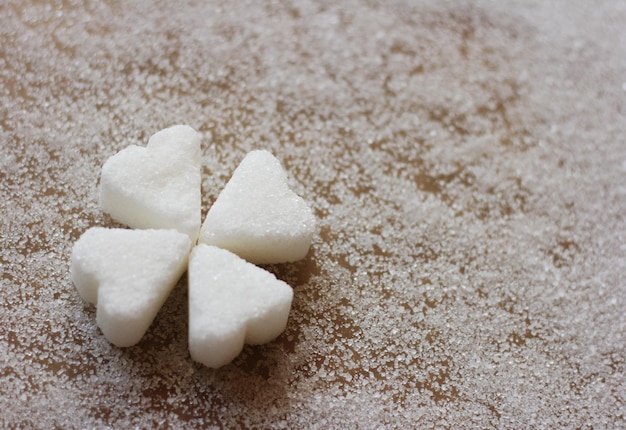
(466, 164)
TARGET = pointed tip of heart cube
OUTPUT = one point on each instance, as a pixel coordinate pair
(257, 216)
(157, 186)
(232, 302)
(128, 274)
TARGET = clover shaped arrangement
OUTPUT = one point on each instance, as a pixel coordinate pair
(156, 190)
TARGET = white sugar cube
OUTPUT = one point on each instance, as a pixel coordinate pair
(257, 216)
(231, 302)
(128, 274)
(157, 186)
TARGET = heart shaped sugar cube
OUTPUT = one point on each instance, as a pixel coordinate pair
(257, 216)
(231, 302)
(128, 274)
(157, 186)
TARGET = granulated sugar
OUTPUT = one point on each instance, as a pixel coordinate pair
(466, 164)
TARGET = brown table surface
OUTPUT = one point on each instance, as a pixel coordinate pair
(466, 162)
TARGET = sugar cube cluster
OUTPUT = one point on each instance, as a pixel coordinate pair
(129, 273)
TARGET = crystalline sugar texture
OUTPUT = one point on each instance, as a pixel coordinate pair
(231, 302)
(129, 275)
(157, 186)
(257, 216)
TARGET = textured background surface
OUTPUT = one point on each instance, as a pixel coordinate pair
(466, 162)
